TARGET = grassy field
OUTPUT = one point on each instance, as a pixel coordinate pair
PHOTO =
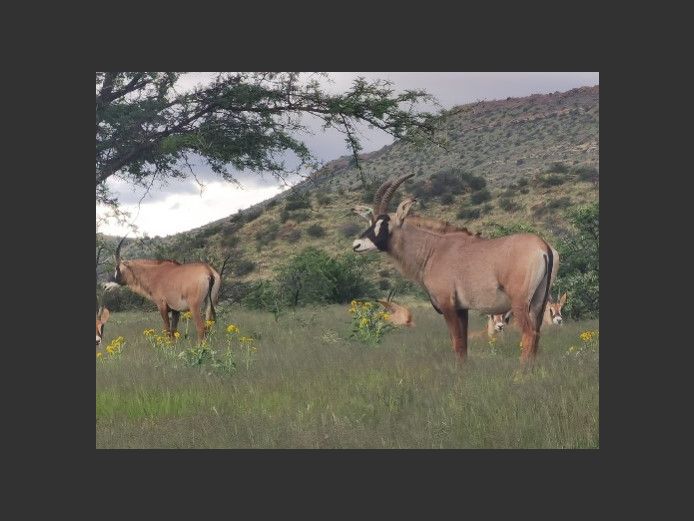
(311, 386)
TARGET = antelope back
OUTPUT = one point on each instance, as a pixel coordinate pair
(399, 315)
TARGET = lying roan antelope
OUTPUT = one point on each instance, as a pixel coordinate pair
(172, 286)
(553, 311)
(398, 315)
(101, 319)
(495, 325)
(497, 322)
(461, 271)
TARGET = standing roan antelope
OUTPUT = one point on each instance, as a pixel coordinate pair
(172, 286)
(101, 319)
(461, 271)
(553, 311)
(399, 315)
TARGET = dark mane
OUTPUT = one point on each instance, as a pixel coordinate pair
(156, 261)
(437, 226)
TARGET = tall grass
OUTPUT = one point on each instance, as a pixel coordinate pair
(311, 386)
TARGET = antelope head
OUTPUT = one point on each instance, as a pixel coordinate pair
(555, 309)
(116, 279)
(499, 321)
(101, 319)
(377, 235)
(399, 315)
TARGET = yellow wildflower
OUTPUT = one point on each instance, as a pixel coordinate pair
(177, 334)
(99, 354)
(231, 328)
(209, 323)
(148, 332)
(187, 315)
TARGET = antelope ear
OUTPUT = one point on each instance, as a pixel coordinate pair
(403, 209)
(104, 315)
(562, 300)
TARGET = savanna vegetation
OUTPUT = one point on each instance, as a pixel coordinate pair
(299, 355)
(308, 381)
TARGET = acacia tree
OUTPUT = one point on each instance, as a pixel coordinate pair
(145, 129)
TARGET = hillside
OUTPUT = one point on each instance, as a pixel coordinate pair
(537, 155)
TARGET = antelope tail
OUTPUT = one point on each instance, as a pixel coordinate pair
(549, 262)
(213, 295)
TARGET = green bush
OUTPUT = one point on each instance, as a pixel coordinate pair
(351, 230)
(469, 213)
(323, 199)
(579, 268)
(550, 180)
(293, 236)
(315, 230)
(559, 168)
(312, 277)
(267, 234)
(243, 267)
(480, 196)
(446, 199)
(509, 205)
(297, 200)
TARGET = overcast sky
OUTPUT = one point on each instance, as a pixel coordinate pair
(182, 204)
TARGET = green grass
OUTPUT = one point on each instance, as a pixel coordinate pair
(312, 387)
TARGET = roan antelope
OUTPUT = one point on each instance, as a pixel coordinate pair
(172, 286)
(495, 324)
(553, 311)
(101, 319)
(398, 315)
(461, 271)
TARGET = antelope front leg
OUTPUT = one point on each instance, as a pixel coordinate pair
(175, 315)
(457, 322)
(164, 311)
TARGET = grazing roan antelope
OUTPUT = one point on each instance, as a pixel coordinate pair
(398, 315)
(461, 271)
(101, 319)
(553, 311)
(172, 286)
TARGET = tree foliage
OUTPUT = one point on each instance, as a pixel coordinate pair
(146, 129)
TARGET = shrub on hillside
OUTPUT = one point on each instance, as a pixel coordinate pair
(293, 236)
(480, 196)
(243, 267)
(351, 230)
(469, 213)
(315, 230)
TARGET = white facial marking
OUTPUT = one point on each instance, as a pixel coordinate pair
(377, 227)
(98, 340)
(361, 245)
(110, 285)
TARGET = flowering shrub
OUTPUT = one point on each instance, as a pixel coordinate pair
(113, 351)
(590, 342)
(369, 322)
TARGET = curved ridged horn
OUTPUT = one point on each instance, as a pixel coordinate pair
(389, 193)
(378, 195)
(118, 250)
